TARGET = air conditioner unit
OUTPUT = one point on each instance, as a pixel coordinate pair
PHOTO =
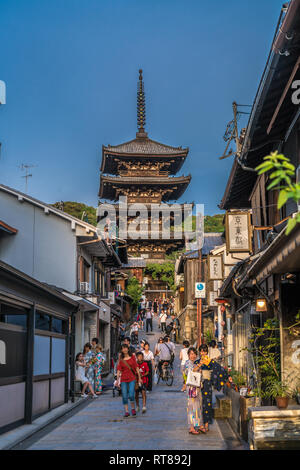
(84, 288)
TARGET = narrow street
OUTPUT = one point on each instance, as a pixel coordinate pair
(100, 425)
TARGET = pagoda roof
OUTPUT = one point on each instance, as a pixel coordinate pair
(178, 185)
(140, 148)
(142, 145)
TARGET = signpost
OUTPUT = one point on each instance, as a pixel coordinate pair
(200, 290)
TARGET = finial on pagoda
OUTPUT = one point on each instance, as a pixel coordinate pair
(141, 107)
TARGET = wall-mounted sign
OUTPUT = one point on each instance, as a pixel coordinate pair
(215, 267)
(217, 285)
(238, 232)
(211, 300)
(200, 290)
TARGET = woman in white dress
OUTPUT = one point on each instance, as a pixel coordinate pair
(80, 366)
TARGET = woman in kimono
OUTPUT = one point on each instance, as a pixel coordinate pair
(88, 357)
(194, 404)
(99, 362)
(212, 375)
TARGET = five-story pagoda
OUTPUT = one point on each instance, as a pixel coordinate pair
(142, 170)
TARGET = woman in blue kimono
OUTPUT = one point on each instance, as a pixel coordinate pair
(212, 375)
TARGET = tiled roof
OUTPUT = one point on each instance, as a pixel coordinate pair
(211, 241)
(145, 146)
(135, 263)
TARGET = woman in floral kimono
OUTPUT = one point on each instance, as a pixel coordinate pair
(194, 405)
(88, 357)
(213, 375)
(99, 362)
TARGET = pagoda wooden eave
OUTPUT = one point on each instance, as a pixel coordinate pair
(141, 149)
(108, 185)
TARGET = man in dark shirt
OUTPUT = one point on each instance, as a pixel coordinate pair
(130, 347)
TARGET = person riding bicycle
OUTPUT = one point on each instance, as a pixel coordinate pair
(134, 333)
(165, 354)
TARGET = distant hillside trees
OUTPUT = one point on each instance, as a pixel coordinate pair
(79, 210)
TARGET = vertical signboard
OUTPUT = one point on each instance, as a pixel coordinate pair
(215, 267)
(238, 232)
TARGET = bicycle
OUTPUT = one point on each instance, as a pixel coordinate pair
(166, 374)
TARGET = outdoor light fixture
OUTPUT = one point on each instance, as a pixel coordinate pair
(261, 305)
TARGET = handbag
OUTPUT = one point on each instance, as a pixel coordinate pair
(136, 385)
(193, 379)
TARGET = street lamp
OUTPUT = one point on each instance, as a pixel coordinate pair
(261, 305)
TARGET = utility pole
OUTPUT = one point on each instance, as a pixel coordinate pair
(199, 301)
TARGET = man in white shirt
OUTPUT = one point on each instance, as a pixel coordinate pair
(149, 315)
(163, 320)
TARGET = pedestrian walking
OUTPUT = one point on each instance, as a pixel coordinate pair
(80, 367)
(149, 316)
(163, 320)
(134, 333)
(176, 328)
(155, 307)
(149, 359)
(88, 356)
(99, 363)
(142, 345)
(144, 372)
(183, 356)
(128, 375)
(127, 341)
(194, 396)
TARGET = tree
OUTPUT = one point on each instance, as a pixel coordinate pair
(79, 210)
(163, 272)
(135, 290)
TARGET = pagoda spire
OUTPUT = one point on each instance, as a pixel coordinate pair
(141, 107)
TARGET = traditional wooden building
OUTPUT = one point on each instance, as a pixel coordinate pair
(143, 170)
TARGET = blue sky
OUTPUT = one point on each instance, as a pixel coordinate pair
(71, 69)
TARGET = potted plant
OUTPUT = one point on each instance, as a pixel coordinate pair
(279, 390)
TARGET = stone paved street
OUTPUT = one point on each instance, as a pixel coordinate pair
(100, 425)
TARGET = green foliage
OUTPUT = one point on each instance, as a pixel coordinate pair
(135, 290)
(76, 209)
(265, 348)
(164, 272)
(278, 388)
(238, 379)
(214, 223)
(283, 171)
(208, 335)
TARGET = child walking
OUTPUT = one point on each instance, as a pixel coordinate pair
(144, 372)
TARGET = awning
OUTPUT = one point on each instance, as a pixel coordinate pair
(87, 305)
(99, 248)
